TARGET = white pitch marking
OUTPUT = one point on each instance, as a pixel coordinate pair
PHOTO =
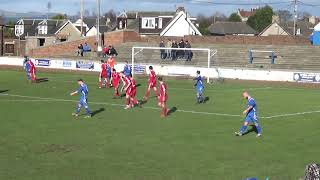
(41, 99)
(120, 105)
(291, 114)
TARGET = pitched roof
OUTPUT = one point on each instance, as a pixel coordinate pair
(230, 28)
(31, 26)
(175, 19)
(306, 28)
(135, 14)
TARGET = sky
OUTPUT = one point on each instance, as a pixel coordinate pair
(195, 7)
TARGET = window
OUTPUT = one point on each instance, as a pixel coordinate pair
(19, 30)
(42, 29)
(160, 23)
(41, 41)
(148, 23)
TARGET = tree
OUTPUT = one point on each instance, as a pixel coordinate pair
(234, 17)
(111, 15)
(206, 21)
(284, 15)
(59, 17)
(261, 19)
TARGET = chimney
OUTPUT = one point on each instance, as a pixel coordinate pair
(179, 9)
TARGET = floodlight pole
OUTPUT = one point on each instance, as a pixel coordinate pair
(132, 61)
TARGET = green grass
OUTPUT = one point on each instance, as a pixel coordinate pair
(41, 140)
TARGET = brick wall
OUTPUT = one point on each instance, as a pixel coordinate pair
(119, 37)
(64, 48)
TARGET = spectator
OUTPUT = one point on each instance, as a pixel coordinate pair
(174, 52)
(80, 50)
(188, 52)
(162, 51)
(169, 45)
(112, 51)
(86, 47)
(105, 51)
(181, 52)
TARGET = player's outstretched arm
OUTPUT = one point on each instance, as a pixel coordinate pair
(73, 93)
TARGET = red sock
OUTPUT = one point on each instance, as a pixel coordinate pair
(134, 101)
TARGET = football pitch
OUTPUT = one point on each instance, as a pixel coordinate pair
(39, 139)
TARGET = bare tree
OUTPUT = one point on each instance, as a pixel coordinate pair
(284, 15)
(111, 15)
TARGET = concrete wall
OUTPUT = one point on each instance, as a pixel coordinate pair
(32, 42)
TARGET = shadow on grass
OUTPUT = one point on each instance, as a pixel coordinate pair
(97, 111)
(206, 99)
(172, 110)
(3, 91)
(41, 80)
(253, 129)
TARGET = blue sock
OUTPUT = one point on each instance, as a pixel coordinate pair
(243, 129)
(78, 109)
(259, 129)
(87, 110)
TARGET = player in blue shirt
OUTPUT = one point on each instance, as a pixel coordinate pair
(199, 87)
(27, 67)
(127, 71)
(251, 116)
(83, 102)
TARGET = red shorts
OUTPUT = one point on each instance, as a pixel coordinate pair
(128, 92)
(152, 84)
(33, 76)
(163, 99)
(103, 75)
(115, 84)
(133, 93)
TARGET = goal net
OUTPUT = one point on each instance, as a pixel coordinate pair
(183, 59)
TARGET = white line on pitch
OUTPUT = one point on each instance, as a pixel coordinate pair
(41, 99)
(120, 105)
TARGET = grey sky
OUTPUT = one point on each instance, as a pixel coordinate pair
(72, 6)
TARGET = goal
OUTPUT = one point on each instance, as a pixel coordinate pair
(201, 58)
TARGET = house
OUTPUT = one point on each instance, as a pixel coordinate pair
(303, 28)
(90, 26)
(244, 15)
(177, 23)
(274, 29)
(38, 32)
(231, 28)
(68, 32)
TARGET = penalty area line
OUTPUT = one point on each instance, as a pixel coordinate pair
(39, 99)
(42, 99)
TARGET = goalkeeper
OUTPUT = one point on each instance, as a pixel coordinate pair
(200, 88)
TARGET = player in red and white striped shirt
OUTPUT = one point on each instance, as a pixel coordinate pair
(152, 84)
(162, 98)
(127, 87)
(133, 92)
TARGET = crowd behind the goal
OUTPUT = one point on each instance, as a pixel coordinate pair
(174, 54)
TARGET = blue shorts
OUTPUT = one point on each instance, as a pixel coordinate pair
(252, 118)
(200, 90)
(83, 102)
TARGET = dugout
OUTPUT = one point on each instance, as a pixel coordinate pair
(316, 38)
(316, 35)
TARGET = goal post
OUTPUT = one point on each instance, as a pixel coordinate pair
(200, 57)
